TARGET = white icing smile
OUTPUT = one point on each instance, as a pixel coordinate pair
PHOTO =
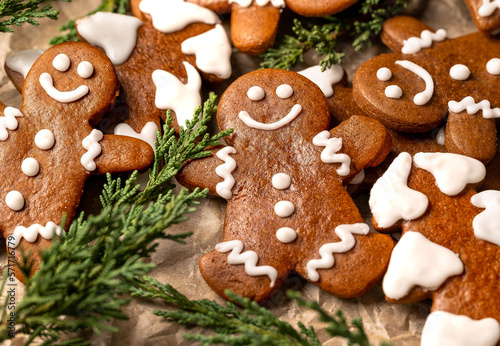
(250, 122)
(47, 84)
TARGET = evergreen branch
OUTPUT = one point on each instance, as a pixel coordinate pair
(116, 6)
(326, 35)
(250, 325)
(86, 274)
(25, 11)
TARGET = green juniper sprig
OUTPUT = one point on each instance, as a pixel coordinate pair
(116, 6)
(326, 35)
(87, 272)
(19, 12)
(243, 322)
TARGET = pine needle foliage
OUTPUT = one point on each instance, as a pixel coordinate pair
(86, 274)
(18, 12)
(243, 322)
(115, 6)
(329, 34)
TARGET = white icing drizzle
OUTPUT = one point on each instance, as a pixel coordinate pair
(284, 91)
(147, 134)
(85, 69)
(31, 233)
(115, 33)
(14, 200)
(326, 251)
(444, 328)
(212, 50)
(384, 74)
(459, 72)
(416, 261)
(286, 235)
(248, 258)
(174, 15)
(416, 44)
(423, 97)
(391, 199)
(393, 92)
(183, 99)
(281, 181)
(486, 224)
(47, 84)
(470, 105)
(493, 66)
(9, 121)
(451, 171)
(30, 167)
(329, 154)
(91, 143)
(22, 61)
(284, 208)
(61, 62)
(256, 93)
(225, 171)
(250, 122)
(44, 139)
(324, 79)
(247, 3)
(488, 7)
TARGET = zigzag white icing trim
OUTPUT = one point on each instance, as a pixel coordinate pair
(329, 154)
(224, 171)
(345, 233)
(469, 104)
(91, 143)
(248, 258)
(31, 233)
(416, 44)
(9, 122)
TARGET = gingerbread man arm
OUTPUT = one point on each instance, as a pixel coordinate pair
(201, 173)
(398, 29)
(366, 137)
(123, 154)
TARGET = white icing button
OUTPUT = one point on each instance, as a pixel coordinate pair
(459, 72)
(284, 208)
(393, 92)
(44, 139)
(30, 167)
(14, 200)
(256, 93)
(61, 62)
(384, 74)
(493, 66)
(281, 181)
(286, 235)
(85, 69)
(284, 91)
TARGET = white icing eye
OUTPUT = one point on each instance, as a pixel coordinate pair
(459, 72)
(61, 62)
(393, 92)
(284, 91)
(384, 74)
(85, 69)
(256, 93)
(493, 66)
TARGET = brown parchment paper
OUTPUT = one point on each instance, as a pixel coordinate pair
(177, 264)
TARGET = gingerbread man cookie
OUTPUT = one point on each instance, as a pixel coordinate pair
(254, 23)
(283, 175)
(450, 245)
(485, 14)
(430, 77)
(161, 57)
(52, 147)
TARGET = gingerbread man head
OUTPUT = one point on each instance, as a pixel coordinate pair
(429, 77)
(450, 245)
(283, 174)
